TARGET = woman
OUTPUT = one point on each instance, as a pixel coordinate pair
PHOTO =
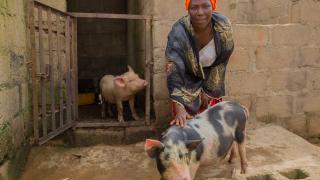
(198, 50)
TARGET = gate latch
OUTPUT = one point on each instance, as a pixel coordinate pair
(46, 74)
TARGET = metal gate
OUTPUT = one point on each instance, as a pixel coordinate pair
(54, 71)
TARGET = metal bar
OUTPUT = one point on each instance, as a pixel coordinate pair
(38, 4)
(147, 68)
(52, 94)
(60, 72)
(42, 80)
(110, 16)
(54, 133)
(34, 72)
(75, 71)
(68, 84)
(91, 124)
(55, 111)
(72, 76)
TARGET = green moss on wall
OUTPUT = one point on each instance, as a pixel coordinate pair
(5, 140)
(18, 161)
(3, 7)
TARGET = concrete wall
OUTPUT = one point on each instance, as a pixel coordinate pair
(15, 84)
(270, 12)
(276, 76)
(14, 81)
(142, 7)
(15, 106)
(274, 69)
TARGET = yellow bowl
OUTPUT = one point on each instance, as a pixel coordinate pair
(86, 99)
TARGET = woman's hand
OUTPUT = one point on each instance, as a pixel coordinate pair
(205, 100)
(181, 117)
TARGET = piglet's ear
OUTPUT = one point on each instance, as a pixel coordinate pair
(192, 144)
(119, 81)
(152, 147)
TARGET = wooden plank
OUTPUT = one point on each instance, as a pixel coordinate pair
(61, 105)
(54, 133)
(92, 124)
(147, 69)
(52, 92)
(42, 80)
(75, 68)
(68, 73)
(110, 16)
(35, 107)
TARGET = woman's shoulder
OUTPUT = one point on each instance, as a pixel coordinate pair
(222, 23)
(178, 29)
(179, 25)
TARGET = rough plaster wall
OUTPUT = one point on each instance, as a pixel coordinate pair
(274, 69)
(15, 106)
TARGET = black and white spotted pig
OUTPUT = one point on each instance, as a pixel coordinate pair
(209, 136)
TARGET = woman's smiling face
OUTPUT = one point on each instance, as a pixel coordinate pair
(200, 13)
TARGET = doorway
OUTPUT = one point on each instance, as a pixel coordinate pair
(110, 38)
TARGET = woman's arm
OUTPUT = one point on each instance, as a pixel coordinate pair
(176, 74)
(175, 83)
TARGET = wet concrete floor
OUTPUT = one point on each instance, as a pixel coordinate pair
(272, 151)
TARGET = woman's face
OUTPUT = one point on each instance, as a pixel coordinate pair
(200, 13)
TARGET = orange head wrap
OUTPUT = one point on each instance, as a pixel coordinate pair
(213, 3)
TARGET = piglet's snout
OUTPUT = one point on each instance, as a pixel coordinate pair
(185, 178)
(145, 83)
(142, 83)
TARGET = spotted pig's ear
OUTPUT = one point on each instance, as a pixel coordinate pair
(152, 147)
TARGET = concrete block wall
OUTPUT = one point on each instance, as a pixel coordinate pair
(270, 12)
(274, 68)
(142, 7)
(275, 75)
(285, 11)
(15, 100)
(238, 11)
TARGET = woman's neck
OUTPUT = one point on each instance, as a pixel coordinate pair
(203, 36)
(206, 29)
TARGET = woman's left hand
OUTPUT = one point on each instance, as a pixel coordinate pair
(205, 100)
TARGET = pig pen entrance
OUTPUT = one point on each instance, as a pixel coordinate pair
(107, 43)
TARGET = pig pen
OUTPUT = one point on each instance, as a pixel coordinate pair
(273, 153)
(107, 46)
